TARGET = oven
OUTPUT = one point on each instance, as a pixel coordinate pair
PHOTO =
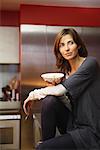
(10, 132)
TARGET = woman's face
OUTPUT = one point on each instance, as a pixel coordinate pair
(68, 48)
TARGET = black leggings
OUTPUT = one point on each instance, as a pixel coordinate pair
(63, 142)
(54, 114)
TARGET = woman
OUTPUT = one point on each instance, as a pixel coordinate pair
(80, 123)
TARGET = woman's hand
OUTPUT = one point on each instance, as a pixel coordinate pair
(35, 95)
(27, 106)
(55, 82)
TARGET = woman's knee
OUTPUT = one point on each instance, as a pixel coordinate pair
(49, 102)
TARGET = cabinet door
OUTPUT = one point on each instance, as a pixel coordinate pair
(9, 45)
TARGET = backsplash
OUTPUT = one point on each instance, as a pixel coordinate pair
(7, 73)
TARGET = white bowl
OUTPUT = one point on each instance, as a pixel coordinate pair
(52, 77)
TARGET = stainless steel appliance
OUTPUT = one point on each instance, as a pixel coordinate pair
(10, 132)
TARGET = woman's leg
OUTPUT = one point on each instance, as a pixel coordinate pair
(54, 114)
(63, 142)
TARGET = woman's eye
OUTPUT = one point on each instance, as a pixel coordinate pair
(70, 42)
(61, 44)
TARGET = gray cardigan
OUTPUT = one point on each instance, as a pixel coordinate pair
(84, 89)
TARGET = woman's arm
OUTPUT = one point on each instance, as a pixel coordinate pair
(57, 90)
(38, 94)
(82, 78)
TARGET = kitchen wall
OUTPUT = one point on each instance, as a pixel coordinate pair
(10, 18)
(63, 16)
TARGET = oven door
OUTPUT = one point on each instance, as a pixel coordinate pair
(10, 134)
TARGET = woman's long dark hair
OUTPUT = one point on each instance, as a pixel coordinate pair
(61, 63)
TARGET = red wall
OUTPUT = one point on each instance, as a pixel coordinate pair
(52, 15)
(9, 18)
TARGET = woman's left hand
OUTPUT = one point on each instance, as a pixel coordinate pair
(27, 106)
(33, 96)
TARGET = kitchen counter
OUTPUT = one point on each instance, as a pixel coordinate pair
(10, 105)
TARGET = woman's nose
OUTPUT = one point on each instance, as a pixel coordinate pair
(66, 48)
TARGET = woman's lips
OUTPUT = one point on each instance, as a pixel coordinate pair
(68, 54)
